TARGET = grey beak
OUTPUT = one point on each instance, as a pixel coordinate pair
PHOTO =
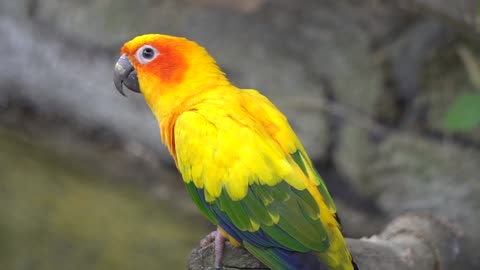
(125, 74)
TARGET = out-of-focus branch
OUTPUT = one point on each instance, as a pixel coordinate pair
(409, 242)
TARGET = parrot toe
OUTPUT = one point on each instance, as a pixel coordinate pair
(209, 238)
(219, 240)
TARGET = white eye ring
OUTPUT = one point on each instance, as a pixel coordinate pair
(146, 54)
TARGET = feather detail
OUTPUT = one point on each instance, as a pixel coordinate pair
(259, 194)
(240, 160)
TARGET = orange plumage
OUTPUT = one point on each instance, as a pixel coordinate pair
(241, 162)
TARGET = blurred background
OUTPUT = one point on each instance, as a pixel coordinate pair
(385, 96)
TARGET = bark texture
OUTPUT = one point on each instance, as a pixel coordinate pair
(410, 242)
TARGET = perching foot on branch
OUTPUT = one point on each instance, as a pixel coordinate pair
(218, 239)
(410, 242)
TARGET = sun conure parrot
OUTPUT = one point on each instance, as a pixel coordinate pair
(241, 162)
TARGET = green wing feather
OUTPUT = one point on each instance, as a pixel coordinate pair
(256, 182)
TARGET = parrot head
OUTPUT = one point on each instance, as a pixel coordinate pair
(165, 69)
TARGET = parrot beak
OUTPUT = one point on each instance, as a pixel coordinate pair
(125, 74)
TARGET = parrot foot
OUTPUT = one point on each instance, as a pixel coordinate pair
(219, 240)
(208, 239)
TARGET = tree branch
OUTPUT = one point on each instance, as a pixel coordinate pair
(409, 242)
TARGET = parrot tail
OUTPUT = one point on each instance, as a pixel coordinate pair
(281, 259)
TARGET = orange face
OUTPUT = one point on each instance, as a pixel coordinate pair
(158, 55)
(166, 70)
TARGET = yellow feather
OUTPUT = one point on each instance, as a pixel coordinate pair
(225, 139)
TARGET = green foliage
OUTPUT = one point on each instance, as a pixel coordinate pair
(464, 113)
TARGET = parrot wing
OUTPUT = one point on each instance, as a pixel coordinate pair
(280, 130)
(254, 180)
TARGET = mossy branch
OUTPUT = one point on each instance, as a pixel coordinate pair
(409, 242)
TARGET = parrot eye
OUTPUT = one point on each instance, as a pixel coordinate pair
(146, 54)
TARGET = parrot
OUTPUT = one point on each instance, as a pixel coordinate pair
(240, 160)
